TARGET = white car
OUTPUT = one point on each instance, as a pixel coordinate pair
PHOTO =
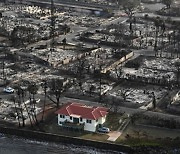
(8, 90)
(104, 130)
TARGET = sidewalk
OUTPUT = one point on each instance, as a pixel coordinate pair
(113, 135)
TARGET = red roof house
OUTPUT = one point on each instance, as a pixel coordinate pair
(91, 117)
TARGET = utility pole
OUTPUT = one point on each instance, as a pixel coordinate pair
(100, 83)
(52, 36)
(3, 73)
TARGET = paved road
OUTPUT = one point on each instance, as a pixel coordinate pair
(76, 29)
(155, 15)
(129, 111)
(91, 6)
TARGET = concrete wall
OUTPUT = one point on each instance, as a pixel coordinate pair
(121, 60)
(48, 137)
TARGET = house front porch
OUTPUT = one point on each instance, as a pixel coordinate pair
(74, 126)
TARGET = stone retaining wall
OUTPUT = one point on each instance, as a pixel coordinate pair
(42, 136)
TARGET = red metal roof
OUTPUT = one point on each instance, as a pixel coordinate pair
(83, 111)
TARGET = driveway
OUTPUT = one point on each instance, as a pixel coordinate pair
(113, 135)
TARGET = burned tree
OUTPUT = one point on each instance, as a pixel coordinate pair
(157, 24)
(32, 89)
(177, 65)
(92, 88)
(80, 73)
(3, 70)
(154, 103)
(118, 72)
(124, 93)
(22, 104)
(20, 107)
(168, 3)
(44, 86)
(98, 75)
(21, 35)
(13, 98)
(129, 7)
(57, 88)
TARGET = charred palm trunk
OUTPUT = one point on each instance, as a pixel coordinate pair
(147, 35)
(44, 104)
(156, 41)
(31, 108)
(19, 123)
(21, 110)
(58, 100)
(3, 73)
(178, 49)
(29, 116)
(34, 109)
(100, 85)
(162, 44)
(131, 30)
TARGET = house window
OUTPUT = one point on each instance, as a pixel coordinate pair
(62, 116)
(70, 118)
(88, 121)
(80, 119)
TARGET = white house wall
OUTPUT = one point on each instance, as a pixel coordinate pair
(90, 126)
(101, 120)
(63, 119)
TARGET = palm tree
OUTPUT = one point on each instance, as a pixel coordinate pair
(98, 75)
(154, 100)
(44, 86)
(129, 6)
(178, 39)
(163, 28)
(80, 73)
(177, 65)
(157, 25)
(18, 92)
(64, 43)
(33, 88)
(23, 95)
(146, 18)
(3, 73)
(118, 71)
(57, 87)
(168, 3)
(18, 116)
(91, 89)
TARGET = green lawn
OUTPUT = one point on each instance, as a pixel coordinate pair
(141, 135)
(112, 121)
(139, 142)
(95, 136)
